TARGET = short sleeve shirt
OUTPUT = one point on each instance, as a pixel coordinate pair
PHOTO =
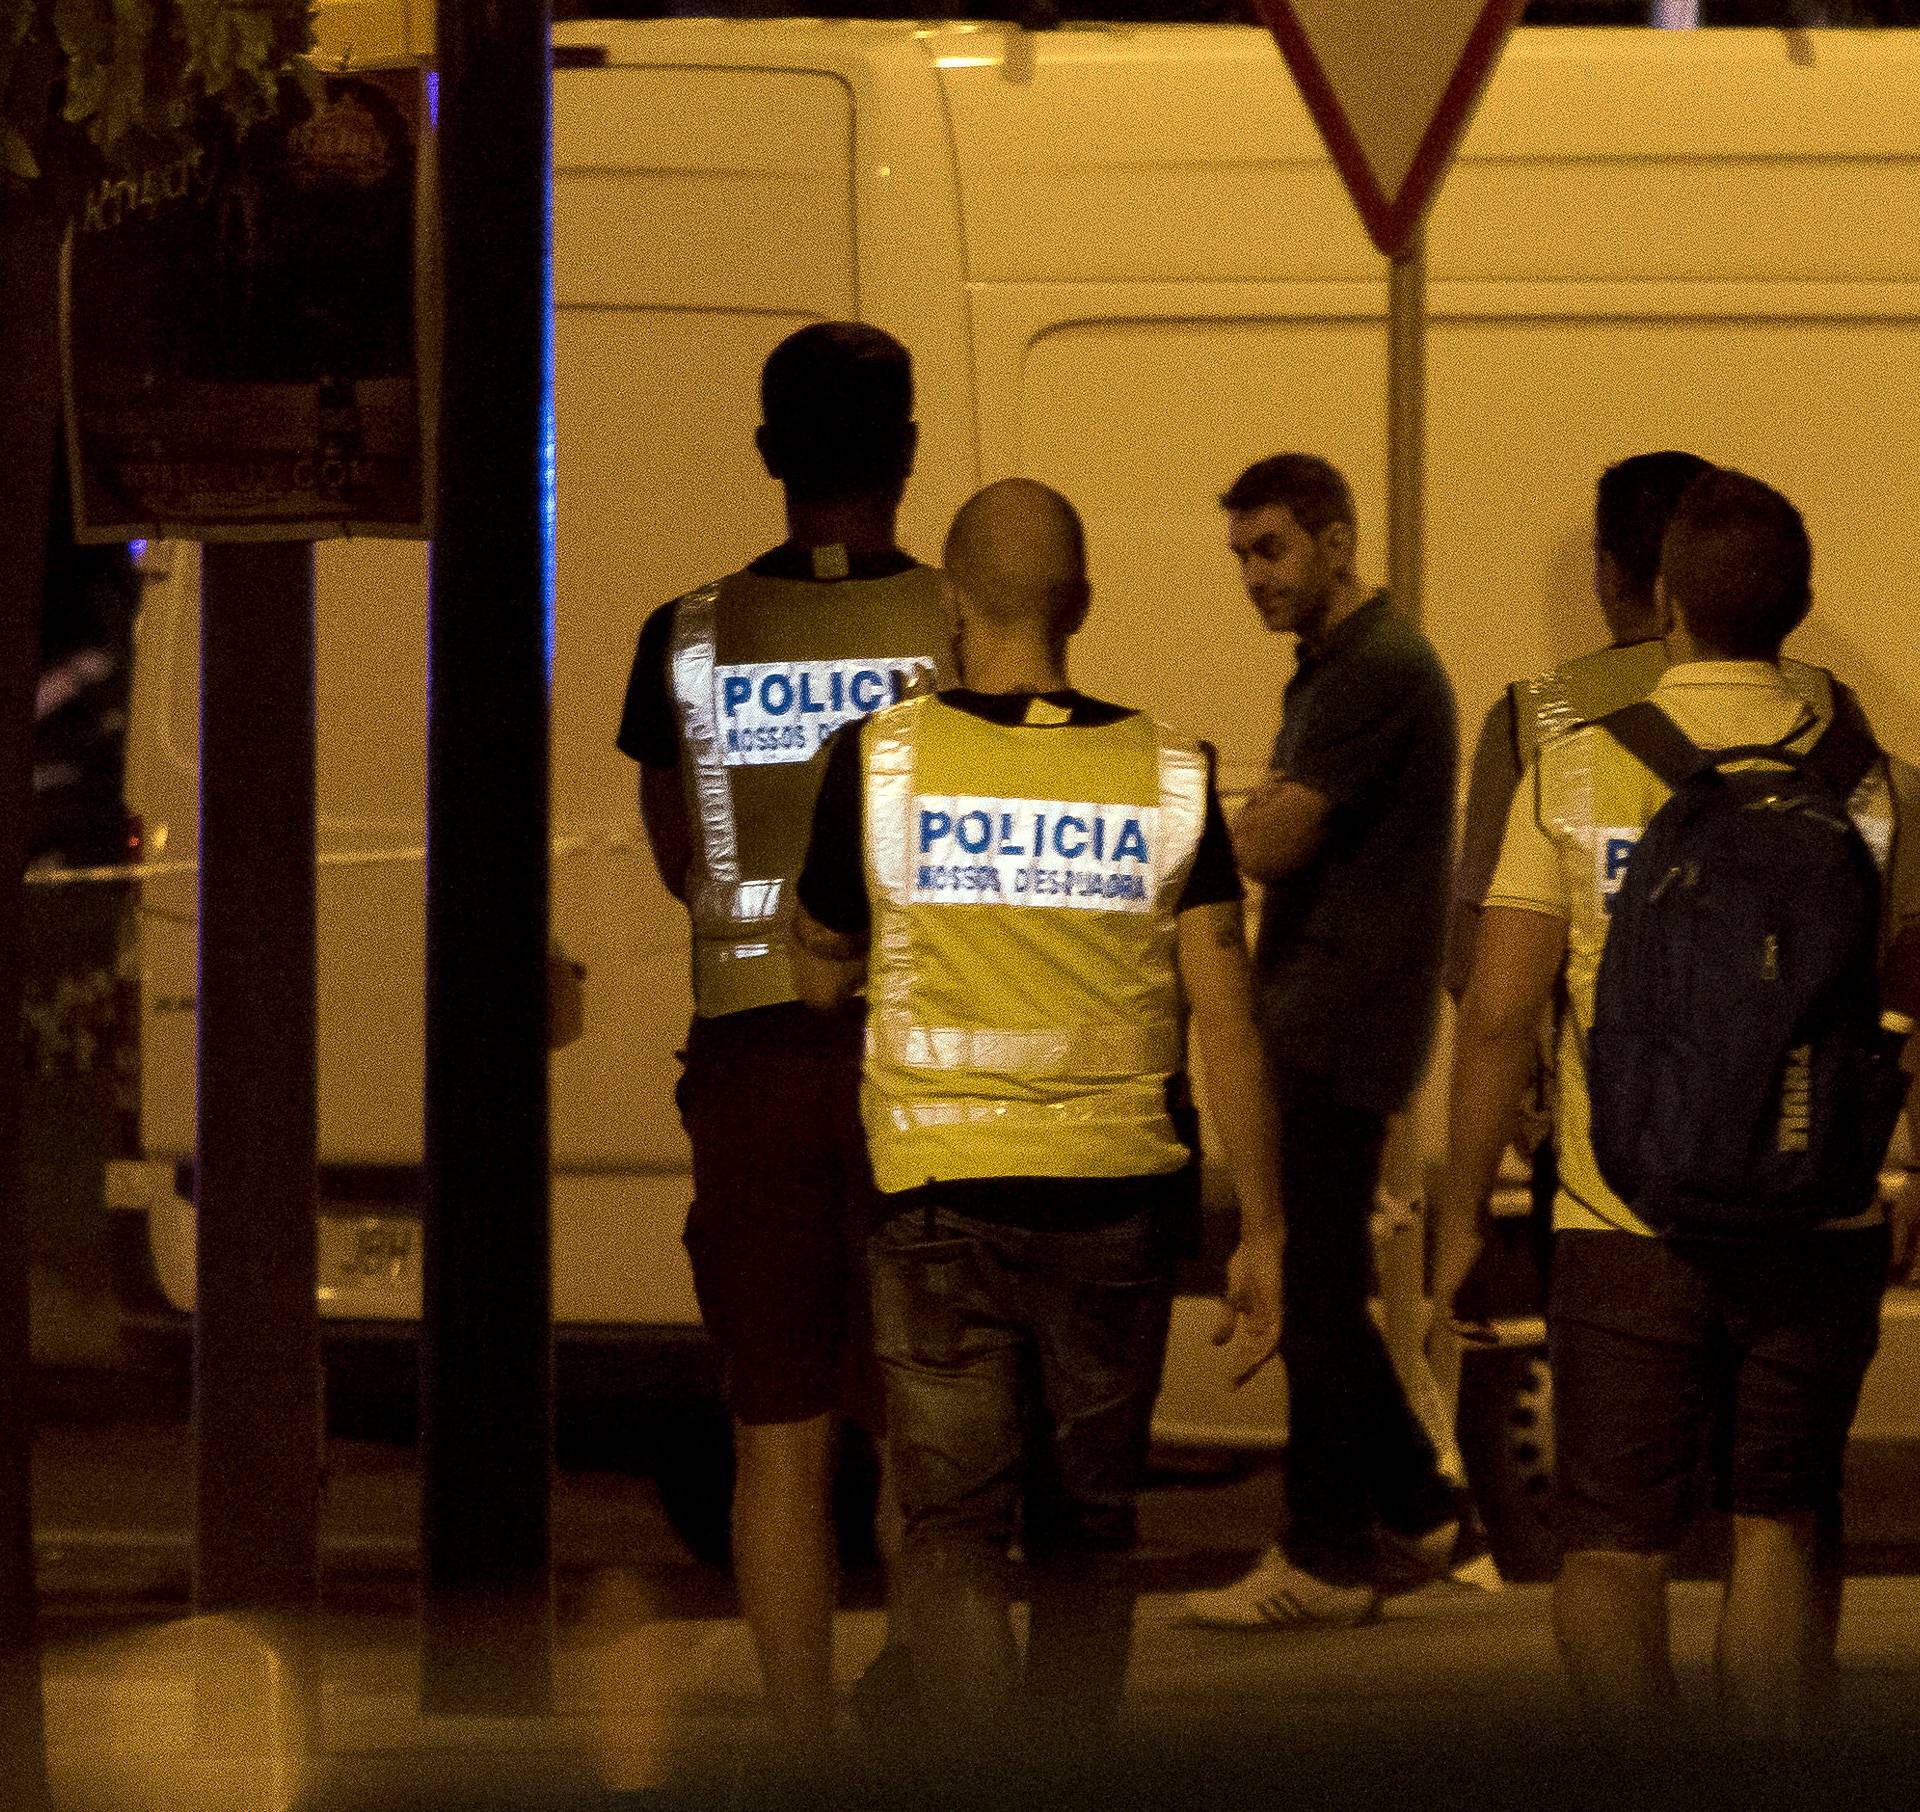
(1348, 957)
(1545, 867)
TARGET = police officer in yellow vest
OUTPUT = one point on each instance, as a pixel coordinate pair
(735, 689)
(1656, 1342)
(1633, 501)
(1036, 890)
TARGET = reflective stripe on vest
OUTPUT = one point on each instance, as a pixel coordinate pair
(1588, 687)
(764, 670)
(1581, 690)
(1090, 1098)
(732, 917)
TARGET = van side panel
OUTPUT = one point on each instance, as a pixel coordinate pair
(703, 188)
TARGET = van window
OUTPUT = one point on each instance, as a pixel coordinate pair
(703, 188)
(700, 216)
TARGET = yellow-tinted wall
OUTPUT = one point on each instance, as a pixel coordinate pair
(367, 30)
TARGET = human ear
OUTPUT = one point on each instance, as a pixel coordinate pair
(768, 446)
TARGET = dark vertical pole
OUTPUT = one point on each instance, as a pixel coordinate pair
(486, 1343)
(29, 392)
(1407, 427)
(256, 1343)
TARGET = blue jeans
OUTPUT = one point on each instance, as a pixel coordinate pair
(1020, 1369)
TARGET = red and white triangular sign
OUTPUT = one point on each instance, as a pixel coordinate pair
(1391, 87)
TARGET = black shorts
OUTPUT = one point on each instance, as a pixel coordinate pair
(1669, 1353)
(783, 1200)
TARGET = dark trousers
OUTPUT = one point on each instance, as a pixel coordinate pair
(1021, 1368)
(1357, 1456)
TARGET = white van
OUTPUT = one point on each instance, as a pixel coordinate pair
(1124, 265)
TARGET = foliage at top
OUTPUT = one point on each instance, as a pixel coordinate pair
(136, 75)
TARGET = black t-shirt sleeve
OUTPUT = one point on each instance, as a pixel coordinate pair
(1214, 877)
(649, 719)
(1359, 732)
(833, 879)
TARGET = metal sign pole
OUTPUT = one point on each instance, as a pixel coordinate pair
(486, 1333)
(29, 400)
(1407, 426)
(256, 1333)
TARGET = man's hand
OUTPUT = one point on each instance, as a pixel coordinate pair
(1456, 1250)
(1280, 829)
(1903, 1222)
(1456, 1247)
(829, 969)
(1250, 1304)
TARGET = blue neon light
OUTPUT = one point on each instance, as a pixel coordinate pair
(549, 431)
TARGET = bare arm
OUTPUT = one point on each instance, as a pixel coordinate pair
(1495, 778)
(1516, 961)
(1903, 1212)
(828, 969)
(1214, 974)
(1901, 993)
(1280, 829)
(663, 810)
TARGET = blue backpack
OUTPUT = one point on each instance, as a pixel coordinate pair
(1739, 1078)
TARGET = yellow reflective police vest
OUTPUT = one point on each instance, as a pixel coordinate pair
(1588, 687)
(1024, 1006)
(1580, 690)
(763, 670)
(1595, 800)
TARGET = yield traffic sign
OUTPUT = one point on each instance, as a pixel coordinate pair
(1391, 87)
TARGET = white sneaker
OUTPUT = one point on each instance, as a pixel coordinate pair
(1278, 1595)
(1482, 1573)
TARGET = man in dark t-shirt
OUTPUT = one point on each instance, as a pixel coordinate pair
(1351, 834)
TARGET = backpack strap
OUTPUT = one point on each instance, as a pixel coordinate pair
(1847, 749)
(1649, 735)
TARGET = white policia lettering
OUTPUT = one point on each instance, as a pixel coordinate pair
(776, 711)
(1033, 852)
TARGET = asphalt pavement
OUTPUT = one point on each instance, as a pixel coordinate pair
(1453, 1699)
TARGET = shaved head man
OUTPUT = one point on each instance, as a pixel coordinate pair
(1027, 882)
(1018, 551)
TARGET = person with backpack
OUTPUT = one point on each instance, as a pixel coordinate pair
(1633, 501)
(1718, 884)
